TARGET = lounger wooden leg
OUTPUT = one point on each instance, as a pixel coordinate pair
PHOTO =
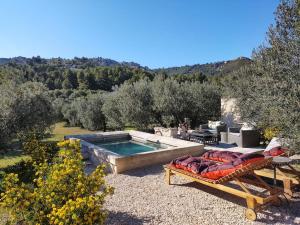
(168, 176)
(250, 211)
(287, 184)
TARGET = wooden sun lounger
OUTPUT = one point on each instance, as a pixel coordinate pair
(255, 201)
(289, 176)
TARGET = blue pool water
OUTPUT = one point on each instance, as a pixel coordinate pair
(130, 147)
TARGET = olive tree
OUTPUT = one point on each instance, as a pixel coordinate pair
(268, 91)
(24, 109)
(112, 112)
(169, 101)
(203, 102)
(70, 112)
(130, 104)
(174, 101)
(89, 110)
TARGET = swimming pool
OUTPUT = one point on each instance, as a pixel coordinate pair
(131, 147)
(124, 150)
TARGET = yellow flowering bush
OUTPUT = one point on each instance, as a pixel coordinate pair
(39, 150)
(270, 132)
(61, 193)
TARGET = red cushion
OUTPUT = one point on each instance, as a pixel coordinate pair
(215, 175)
(178, 166)
(191, 164)
(275, 151)
(221, 156)
(215, 172)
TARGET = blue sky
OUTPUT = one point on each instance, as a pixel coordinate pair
(154, 33)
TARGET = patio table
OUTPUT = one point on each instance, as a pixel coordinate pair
(203, 137)
(278, 162)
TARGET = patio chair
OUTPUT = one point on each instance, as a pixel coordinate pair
(243, 138)
(240, 176)
(214, 127)
(288, 174)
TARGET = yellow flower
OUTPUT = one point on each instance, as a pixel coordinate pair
(27, 203)
(62, 183)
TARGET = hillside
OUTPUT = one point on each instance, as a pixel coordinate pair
(101, 73)
(76, 62)
(208, 69)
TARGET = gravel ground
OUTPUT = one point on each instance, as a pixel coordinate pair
(142, 197)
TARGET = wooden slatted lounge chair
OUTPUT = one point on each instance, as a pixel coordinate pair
(289, 176)
(255, 201)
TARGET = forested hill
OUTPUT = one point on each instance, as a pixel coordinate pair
(208, 69)
(103, 74)
(68, 63)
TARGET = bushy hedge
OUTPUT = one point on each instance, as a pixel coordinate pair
(38, 150)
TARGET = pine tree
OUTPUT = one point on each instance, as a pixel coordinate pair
(70, 80)
(82, 82)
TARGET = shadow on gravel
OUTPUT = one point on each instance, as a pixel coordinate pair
(118, 218)
(141, 172)
(288, 210)
(287, 213)
(215, 192)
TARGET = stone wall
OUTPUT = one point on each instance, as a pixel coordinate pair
(229, 113)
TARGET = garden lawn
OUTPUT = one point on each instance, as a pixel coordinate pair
(11, 158)
(60, 130)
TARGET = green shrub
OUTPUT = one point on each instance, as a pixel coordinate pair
(163, 102)
(267, 91)
(39, 150)
(24, 169)
(270, 132)
(60, 194)
(24, 108)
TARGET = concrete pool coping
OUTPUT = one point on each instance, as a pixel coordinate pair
(119, 163)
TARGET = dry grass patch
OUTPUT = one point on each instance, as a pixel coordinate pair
(11, 158)
(60, 130)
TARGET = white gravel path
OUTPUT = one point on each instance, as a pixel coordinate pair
(142, 197)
